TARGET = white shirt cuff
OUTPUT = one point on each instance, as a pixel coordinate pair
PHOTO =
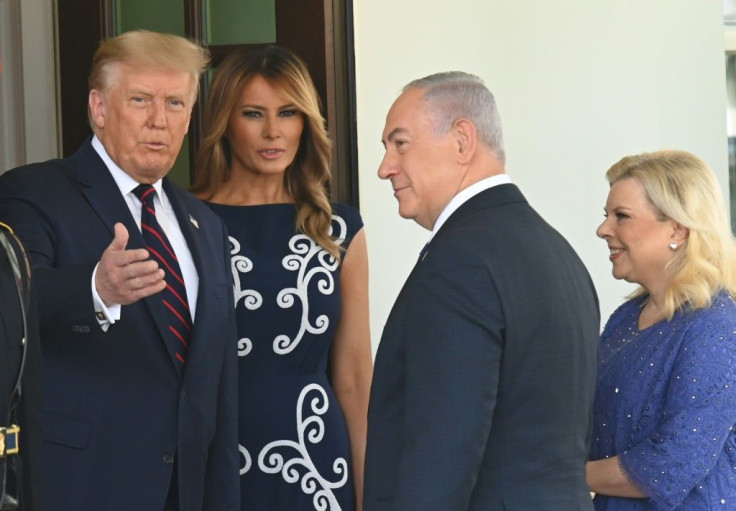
(105, 315)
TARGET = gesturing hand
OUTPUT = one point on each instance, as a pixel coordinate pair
(125, 276)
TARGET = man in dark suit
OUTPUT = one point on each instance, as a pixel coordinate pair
(484, 377)
(139, 353)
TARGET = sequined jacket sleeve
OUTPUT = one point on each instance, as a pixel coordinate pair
(699, 410)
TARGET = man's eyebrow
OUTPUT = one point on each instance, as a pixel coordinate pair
(139, 91)
(393, 133)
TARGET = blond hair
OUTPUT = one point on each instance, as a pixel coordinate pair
(680, 186)
(150, 50)
(307, 177)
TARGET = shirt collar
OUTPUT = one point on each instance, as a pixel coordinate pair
(464, 195)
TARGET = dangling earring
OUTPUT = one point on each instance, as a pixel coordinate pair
(673, 246)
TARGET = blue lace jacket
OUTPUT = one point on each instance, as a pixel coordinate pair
(666, 403)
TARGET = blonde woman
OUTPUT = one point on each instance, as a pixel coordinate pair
(665, 405)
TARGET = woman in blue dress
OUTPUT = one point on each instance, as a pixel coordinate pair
(665, 404)
(300, 276)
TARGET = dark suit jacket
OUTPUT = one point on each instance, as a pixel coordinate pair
(27, 463)
(117, 415)
(484, 377)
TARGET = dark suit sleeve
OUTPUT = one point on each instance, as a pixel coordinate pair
(454, 345)
(64, 296)
(222, 485)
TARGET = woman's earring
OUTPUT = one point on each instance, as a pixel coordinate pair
(673, 246)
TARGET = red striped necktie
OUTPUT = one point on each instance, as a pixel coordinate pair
(175, 294)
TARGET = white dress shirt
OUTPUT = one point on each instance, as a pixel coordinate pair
(107, 315)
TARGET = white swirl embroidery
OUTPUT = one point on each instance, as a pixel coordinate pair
(304, 249)
(244, 346)
(246, 460)
(252, 299)
(301, 466)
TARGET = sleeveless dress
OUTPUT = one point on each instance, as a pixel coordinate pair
(294, 446)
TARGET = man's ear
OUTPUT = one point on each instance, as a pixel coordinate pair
(97, 107)
(465, 138)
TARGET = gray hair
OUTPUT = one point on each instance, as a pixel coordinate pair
(457, 95)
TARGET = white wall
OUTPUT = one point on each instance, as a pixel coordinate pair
(579, 84)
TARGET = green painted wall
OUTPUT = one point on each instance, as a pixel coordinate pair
(157, 15)
(241, 21)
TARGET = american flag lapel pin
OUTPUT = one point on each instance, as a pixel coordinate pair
(194, 221)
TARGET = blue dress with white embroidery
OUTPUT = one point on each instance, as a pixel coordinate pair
(294, 447)
(666, 404)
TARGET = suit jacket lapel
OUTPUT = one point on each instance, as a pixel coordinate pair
(103, 195)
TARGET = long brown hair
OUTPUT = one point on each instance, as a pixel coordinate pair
(307, 176)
